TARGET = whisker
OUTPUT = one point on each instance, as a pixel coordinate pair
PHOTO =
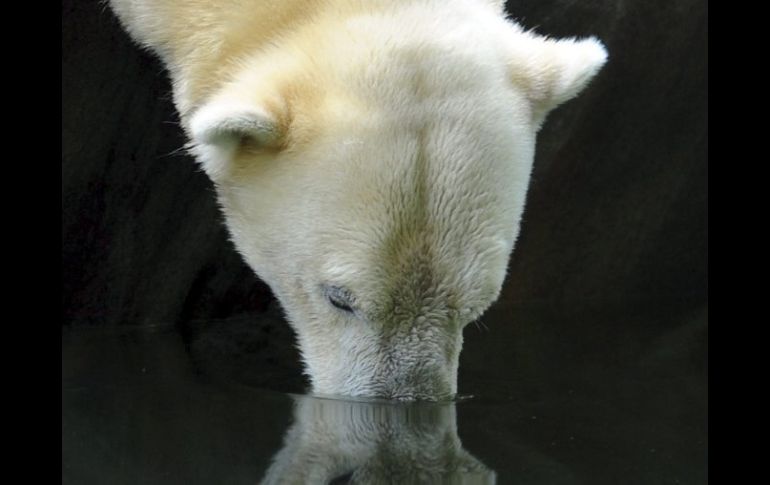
(184, 149)
(481, 325)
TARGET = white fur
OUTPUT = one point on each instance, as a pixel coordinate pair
(380, 147)
(220, 126)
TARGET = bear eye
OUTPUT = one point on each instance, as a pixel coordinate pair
(339, 298)
(340, 304)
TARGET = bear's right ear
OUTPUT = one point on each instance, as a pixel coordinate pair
(551, 71)
(220, 127)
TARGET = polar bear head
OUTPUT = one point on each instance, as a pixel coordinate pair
(375, 178)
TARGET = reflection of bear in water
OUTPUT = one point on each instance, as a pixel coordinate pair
(335, 441)
(371, 159)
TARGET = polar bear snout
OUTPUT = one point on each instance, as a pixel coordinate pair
(411, 361)
(420, 369)
(420, 385)
(402, 381)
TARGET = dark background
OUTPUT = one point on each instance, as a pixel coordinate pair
(616, 219)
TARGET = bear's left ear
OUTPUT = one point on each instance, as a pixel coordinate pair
(221, 126)
(552, 71)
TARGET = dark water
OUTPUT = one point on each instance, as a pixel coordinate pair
(619, 398)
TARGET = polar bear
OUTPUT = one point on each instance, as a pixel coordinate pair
(371, 159)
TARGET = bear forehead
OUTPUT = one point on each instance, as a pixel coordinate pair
(433, 174)
(420, 221)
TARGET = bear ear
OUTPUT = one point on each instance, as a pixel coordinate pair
(552, 71)
(220, 127)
